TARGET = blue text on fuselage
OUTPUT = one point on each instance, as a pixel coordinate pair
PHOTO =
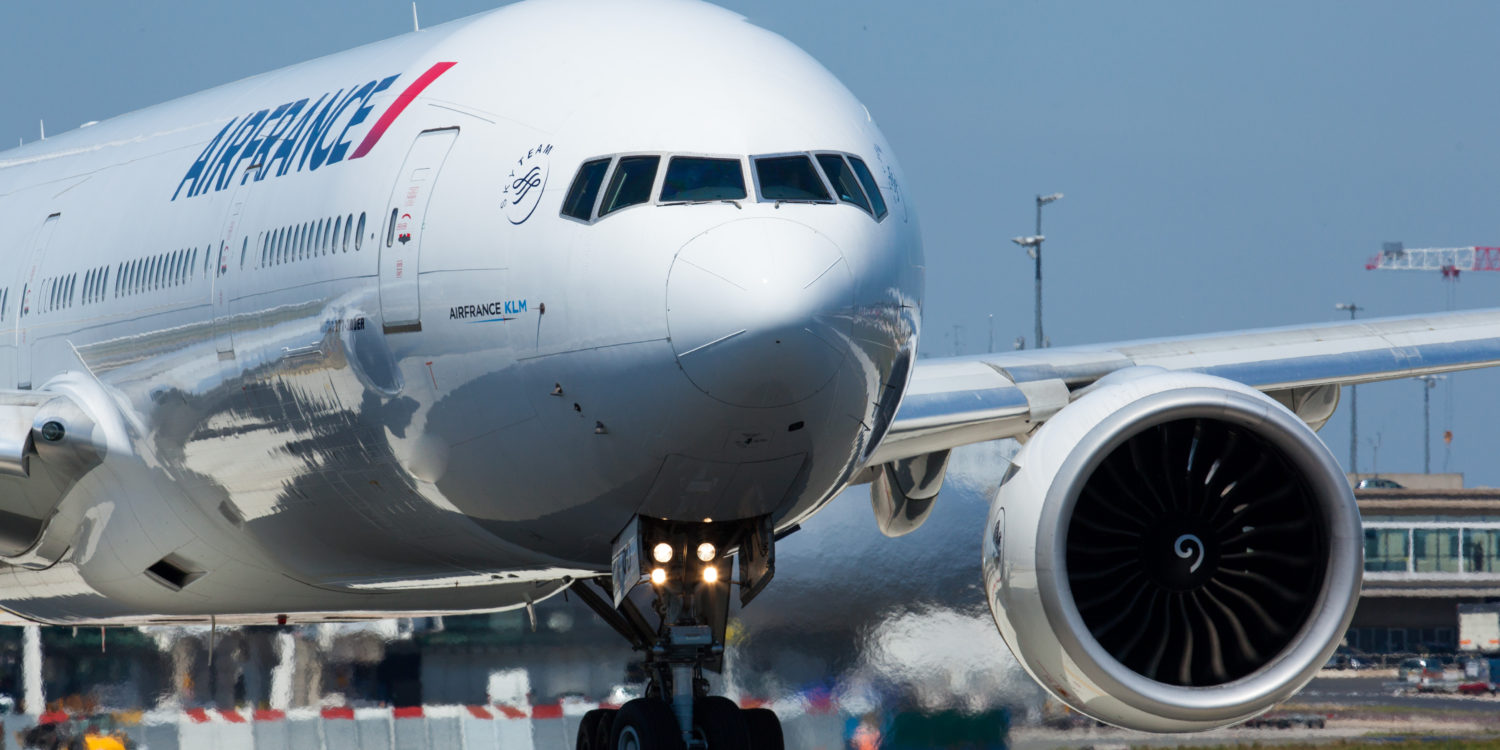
(305, 133)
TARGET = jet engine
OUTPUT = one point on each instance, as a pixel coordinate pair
(1173, 552)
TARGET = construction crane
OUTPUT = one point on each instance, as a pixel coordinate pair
(1450, 261)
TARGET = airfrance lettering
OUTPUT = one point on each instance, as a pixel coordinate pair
(305, 134)
(488, 312)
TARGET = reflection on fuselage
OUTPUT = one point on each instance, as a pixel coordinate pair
(868, 622)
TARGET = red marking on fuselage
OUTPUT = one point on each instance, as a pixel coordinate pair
(399, 106)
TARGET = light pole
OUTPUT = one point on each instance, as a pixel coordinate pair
(1353, 401)
(1033, 245)
(1428, 383)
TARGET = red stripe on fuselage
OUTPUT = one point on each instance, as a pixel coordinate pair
(399, 106)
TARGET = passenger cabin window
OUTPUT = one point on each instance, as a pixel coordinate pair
(631, 184)
(843, 181)
(691, 179)
(871, 188)
(790, 178)
(585, 189)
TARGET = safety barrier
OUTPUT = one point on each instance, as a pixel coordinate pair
(551, 727)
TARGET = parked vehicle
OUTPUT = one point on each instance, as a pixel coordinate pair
(1479, 628)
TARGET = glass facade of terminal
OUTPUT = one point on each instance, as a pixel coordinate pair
(1423, 548)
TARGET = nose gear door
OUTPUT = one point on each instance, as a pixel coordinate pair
(406, 218)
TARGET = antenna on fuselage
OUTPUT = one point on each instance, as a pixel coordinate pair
(42, 125)
(414, 25)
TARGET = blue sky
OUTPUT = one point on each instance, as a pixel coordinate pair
(1225, 166)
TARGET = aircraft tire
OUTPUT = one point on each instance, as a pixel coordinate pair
(593, 730)
(721, 723)
(764, 729)
(645, 724)
(604, 731)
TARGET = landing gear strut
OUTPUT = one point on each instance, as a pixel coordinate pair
(687, 570)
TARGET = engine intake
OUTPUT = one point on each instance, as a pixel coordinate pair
(1174, 552)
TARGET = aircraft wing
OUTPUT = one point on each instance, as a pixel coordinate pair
(960, 400)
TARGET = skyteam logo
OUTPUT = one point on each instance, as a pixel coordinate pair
(303, 134)
(524, 186)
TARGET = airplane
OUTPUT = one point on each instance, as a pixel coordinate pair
(419, 329)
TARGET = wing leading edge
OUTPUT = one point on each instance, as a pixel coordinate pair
(960, 400)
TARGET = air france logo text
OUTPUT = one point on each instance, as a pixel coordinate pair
(488, 312)
(304, 134)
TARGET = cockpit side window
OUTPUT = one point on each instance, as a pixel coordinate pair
(789, 178)
(843, 180)
(872, 189)
(694, 178)
(580, 201)
(631, 184)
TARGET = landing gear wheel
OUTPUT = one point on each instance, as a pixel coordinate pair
(594, 729)
(763, 729)
(645, 724)
(604, 732)
(588, 730)
(720, 723)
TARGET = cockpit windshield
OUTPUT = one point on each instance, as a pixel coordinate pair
(606, 184)
(843, 180)
(694, 178)
(580, 201)
(871, 189)
(790, 178)
(631, 184)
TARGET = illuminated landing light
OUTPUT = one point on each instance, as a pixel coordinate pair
(662, 552)
(707, 552)
(710, 574)
(658, 576)
(708, 520)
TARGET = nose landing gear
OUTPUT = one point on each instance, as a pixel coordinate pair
(689, 601)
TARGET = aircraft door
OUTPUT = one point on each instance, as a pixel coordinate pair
(24, 316)
(229, 247)
(405, 219)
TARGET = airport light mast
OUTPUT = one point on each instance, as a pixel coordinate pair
(1428, 383)
(1033, 245)
(1353, 401)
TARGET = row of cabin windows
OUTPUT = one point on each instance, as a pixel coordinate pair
(312, 239)
(158, 271)
(95, 281)
(166, 270)
(56, 292)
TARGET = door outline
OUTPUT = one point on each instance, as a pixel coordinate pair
(23, 309)
(219, 292)
(401, 245)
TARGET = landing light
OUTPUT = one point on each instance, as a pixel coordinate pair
(706, 552)
(662, 552)
(710, 574)
(658, 576)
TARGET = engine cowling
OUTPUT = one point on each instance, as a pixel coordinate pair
(1173, 552)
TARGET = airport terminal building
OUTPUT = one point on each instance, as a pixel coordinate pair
(1430, 545)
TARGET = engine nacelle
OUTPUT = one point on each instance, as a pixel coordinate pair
(1174, 552)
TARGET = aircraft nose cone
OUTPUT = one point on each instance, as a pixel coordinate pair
(760, 311)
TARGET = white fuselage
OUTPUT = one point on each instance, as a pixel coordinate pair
(460, 408)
